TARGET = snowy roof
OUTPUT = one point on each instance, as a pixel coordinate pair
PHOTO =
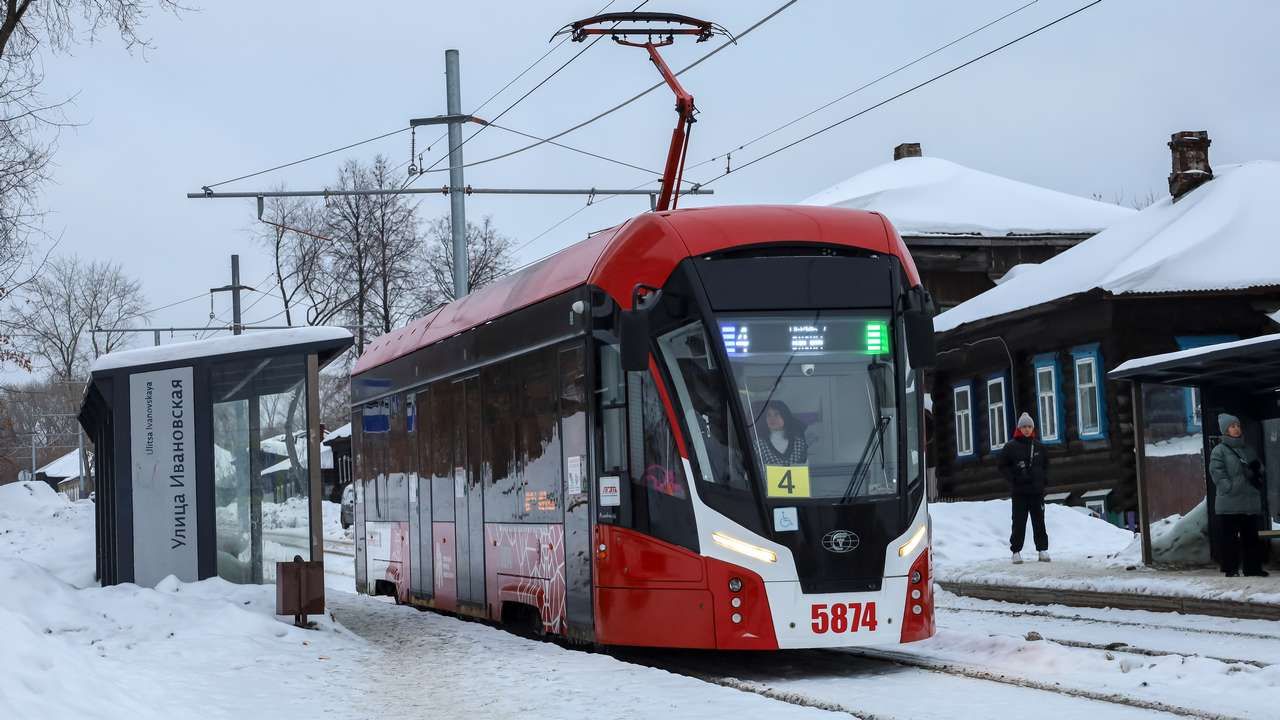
(256, 340)
(932, 196)
(342, 432)
(67, 466)
(1162, 358)
(1220, 236)
(326, 462)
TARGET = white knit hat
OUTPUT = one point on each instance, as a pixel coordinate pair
(1024, 420)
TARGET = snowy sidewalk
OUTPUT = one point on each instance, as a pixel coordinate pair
(1095, 564)
(1133, 587)
(422, 664)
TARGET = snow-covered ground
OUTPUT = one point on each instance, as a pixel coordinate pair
(971, 544)
(216, 650)
(211, 649)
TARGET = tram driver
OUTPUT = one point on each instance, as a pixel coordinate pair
(781, 436)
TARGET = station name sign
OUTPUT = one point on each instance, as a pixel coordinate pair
(162, 427)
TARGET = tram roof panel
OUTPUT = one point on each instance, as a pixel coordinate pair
(644, 249)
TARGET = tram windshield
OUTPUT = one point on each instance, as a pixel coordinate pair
(817, 389)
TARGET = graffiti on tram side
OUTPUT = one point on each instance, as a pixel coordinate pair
(387, 555)
(526, 565)
(444, 558)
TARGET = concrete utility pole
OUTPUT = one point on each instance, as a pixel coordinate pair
(234, 288)
(457, 198)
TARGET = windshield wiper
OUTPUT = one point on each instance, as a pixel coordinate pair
(861, 470)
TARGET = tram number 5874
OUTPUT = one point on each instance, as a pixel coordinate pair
(843, 617)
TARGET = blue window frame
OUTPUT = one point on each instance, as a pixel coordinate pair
(997, 411)
(1049, 412)
(962, 410)
(1091, 406)
(1192, 399)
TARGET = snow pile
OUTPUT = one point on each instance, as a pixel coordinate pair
(43, 527)
(1219, 236)
(1171, 447)
(931, 196)
(292, 514)
(73, 649)
(1181, 540)
(971, 532)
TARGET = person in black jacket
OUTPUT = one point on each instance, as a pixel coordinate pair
(1025, 465)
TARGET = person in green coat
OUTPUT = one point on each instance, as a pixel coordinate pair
(1237, 478)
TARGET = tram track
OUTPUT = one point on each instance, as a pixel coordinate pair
(825, 664)
(960, 669)
(1099, 621)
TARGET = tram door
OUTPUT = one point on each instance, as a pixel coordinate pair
(578, 542)
(468, 487)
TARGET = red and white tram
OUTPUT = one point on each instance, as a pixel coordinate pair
(700, 429)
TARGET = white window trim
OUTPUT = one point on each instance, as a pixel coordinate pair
(999, 428)
(963, 440)
(1097, 409)
(1052, 393)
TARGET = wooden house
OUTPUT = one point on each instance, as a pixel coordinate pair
(968, 230)
(1197, 267)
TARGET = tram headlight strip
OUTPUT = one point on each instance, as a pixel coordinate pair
(911, 545)
(745, 548)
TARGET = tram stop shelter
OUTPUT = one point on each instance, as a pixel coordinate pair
(1173, 443)
(183, 434)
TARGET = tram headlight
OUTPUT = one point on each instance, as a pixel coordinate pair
(736, 618)
(911, 545)
(735, 584)
(915, 577)
(729, 542)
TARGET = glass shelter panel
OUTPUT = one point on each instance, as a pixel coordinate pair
(262, 488)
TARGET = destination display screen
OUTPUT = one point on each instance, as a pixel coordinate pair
(869, 336)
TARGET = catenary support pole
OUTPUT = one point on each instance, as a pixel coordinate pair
(457, 196)
(236, 327)
(84, 466)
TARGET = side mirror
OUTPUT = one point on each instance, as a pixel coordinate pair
(634, 329)
(917, 318)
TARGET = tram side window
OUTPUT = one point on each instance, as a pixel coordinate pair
(441, 427)
(502, 479)
(376, 426)
(661, 503)
(539, 428)
(700, 388)
(612, 401)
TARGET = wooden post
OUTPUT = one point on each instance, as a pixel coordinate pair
(315, 522)
(1140, 451)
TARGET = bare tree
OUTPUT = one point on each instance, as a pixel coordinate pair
(57, 311)
(489, 256)
(36, 413)
(110, 299)
(28, 121)
(394, 226)
(347, 221)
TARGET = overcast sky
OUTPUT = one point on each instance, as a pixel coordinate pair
(1084, 107)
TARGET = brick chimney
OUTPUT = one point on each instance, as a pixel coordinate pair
(1190, 150)
(906, 150)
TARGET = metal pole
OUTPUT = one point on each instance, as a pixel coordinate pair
(157, 338)
(83, 465)
(236, 327)
(457, 197)
(33, 456)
